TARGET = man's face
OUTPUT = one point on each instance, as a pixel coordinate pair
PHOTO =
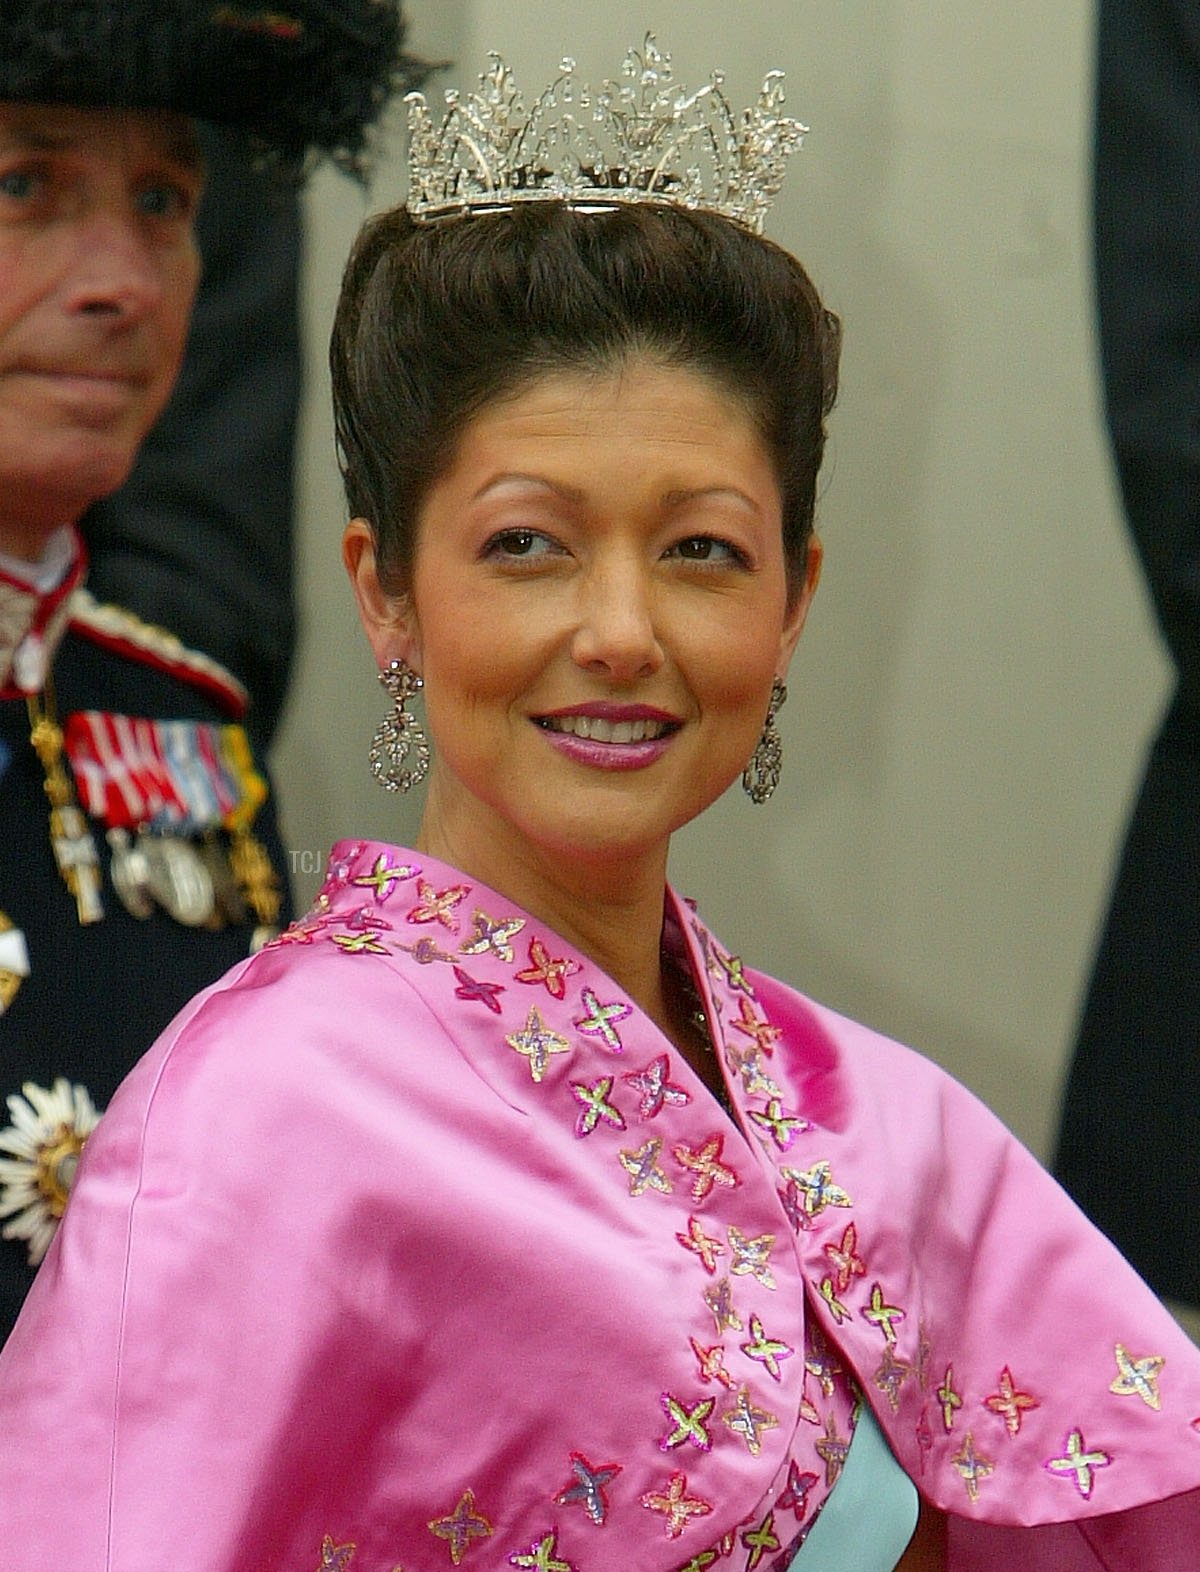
(98, 271)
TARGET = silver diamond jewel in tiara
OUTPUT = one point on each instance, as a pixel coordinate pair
(643, 139)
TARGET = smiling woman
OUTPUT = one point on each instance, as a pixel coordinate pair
(544, 1230)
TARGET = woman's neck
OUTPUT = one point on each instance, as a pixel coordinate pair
(609, 907)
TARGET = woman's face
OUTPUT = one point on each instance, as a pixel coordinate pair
(599, 603)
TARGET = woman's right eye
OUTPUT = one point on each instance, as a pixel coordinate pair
(526, 543)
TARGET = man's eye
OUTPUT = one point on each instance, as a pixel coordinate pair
(19, 184)
(165, 199)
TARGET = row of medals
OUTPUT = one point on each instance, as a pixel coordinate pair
(192, 880)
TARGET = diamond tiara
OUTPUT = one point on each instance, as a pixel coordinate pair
(643, 139)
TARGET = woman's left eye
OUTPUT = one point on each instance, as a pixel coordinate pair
(708, 548)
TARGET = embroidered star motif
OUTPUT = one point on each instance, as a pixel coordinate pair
(702, 1244)
(782, 1127)
(972, 1466)
(596, 1106)
(765, 1035)
(438, 905)
(891, 1376)
(598, 1022)
(676, 1505)
(688, 1423)
(705, 1165)
(836, 1308)
(794, 1496)
(655, 1089)
(792, 1198)
(364, 943)
(712, 1363)
(642, 1166)
(543, 1556)
(756, 1081)
(759, 1540)
(817, 1188)
(1009, 1402)
(719, 1299)
(735, 972)
(543, 968)
(820, 1362)
(768, 1351)
(948, 1398)
(846, 1258)
(490, 936)
(335, 1558)
(1138, 1377)
(461, 1526)
(832, 1449)
(1079, 1462)
(538, 1043)
(751, 1257)
(588, 1486)
(385, 876)
(478, 992)
(750, 1422)
(881, 1314)
(425, 952)
(698, 1563)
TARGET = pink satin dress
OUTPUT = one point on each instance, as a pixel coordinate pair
(413, 1244)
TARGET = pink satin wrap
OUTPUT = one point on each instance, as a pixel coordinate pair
(413, 1244)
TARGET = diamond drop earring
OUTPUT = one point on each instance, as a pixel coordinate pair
(399, 734)
(761, 775)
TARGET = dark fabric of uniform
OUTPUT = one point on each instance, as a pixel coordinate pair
(199, 539)
(96, 996)
(1129, 1148)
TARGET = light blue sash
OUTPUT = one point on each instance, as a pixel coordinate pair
(870, 1514)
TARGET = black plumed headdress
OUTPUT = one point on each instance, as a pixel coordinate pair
(301, 76)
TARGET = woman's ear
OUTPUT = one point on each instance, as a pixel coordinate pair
(797, 613)
(388, 620)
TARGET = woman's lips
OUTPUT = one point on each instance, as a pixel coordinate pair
(610, 736)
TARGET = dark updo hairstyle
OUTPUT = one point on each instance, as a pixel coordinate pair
(437, 320)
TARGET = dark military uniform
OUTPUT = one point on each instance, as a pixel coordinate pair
(97, 994)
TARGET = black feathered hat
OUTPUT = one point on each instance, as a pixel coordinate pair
(300, 76)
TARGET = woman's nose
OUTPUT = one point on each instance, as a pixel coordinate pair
(616, 634)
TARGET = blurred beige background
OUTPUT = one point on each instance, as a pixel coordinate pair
(980, 673)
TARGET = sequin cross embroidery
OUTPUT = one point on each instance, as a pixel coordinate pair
(655, 1088)
(688, 1424)
(544, 968)
(595, 1106)
(676, 1506)
(335, 1558)
(461, 1526)
(438, 905)
(1010, 1402)
(1079, 1463)
(490, 936)
(598, 1021)
(1137, 1377)
(385, 876)
(542, 1556)
(538, 1043)
(705, 1166)
(589, 1487)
